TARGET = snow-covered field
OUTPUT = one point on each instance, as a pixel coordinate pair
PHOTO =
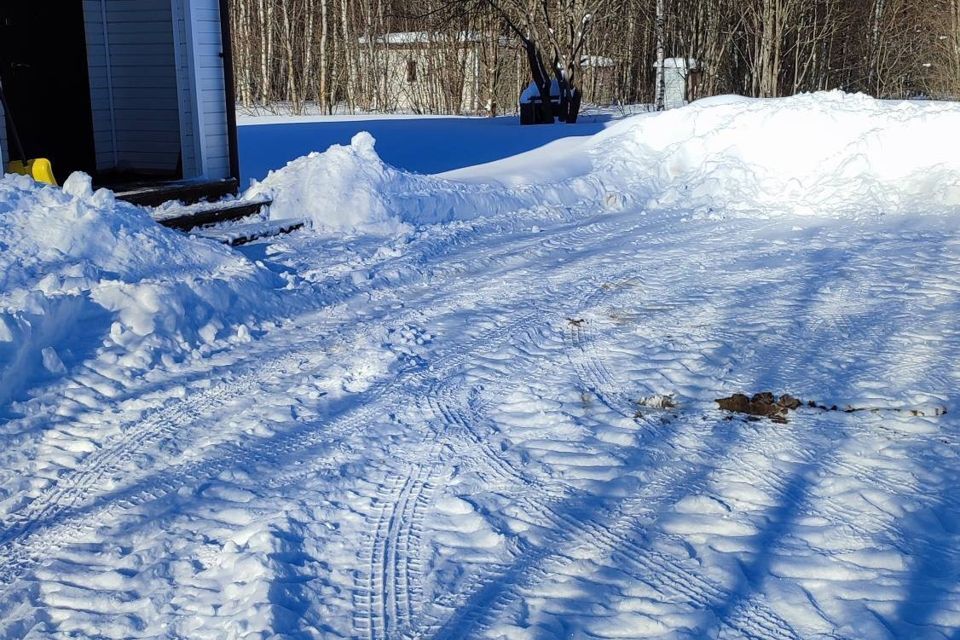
(482, 404)
(425, 144)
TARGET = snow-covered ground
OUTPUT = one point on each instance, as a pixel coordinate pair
(424, 144)
(482, 404)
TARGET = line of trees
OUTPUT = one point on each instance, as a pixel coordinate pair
(338, 54)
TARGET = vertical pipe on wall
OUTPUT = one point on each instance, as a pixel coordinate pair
(226, 43)
(109, 73)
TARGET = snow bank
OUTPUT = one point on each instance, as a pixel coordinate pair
(341, 188)
(84, 274)
(350, 187)
(825, 154)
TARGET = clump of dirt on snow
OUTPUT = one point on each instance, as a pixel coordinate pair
(761, 405)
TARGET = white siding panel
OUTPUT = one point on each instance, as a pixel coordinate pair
(101, 99)
(188, 124)
(209, 101)
(141, 37)
(157, 85)
(133, 84)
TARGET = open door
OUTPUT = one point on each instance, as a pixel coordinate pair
(43, 66)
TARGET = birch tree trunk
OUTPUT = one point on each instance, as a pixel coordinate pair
(306, 73)
(322, 92)
(266, 52)
(288, 42)
(349, 61)
(659, 28)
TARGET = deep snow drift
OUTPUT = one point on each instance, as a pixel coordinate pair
(83, 275)
(495, 416)
(828, 154)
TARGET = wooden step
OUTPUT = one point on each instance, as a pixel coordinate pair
(154, 194)
(268, 232)
(240, 234)
(192, 217)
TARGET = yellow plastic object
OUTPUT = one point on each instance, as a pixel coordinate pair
(39, 169)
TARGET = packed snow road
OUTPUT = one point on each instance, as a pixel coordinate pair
(501, 427)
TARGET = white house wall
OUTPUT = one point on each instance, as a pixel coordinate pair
(189, 140)
(424, 94)
(209, 98)
(133, 83)
(101, 95)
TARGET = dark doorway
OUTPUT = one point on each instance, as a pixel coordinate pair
(43, 66)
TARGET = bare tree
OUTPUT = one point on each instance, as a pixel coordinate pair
(473, 55)
(660, 29)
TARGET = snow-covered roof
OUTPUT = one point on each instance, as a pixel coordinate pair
(597, 61)
(532, 93)
(430, 37)
(679, 63)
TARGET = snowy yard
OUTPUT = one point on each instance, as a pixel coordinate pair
(425, 144)
(483, 404)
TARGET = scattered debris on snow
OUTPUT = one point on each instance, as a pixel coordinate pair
(658, 401)
(766, 405)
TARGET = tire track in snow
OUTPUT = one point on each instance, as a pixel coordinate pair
(406, 273)
(610, 532)
(22, 549)
(491, 464)
(383, 614)
(390, 589)
(74, 489)
(389, 595)
(67, 516)
(392, 593)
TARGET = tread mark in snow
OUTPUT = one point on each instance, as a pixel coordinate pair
(67, 512)
(26, 545)
(579, 527)
(394, 549)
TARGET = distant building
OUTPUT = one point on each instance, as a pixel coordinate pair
(433, 72)
(678, 76)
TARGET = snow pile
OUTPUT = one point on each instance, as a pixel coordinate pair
(350, 187)
(344, 183)
(825, 154)
(83, 274)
